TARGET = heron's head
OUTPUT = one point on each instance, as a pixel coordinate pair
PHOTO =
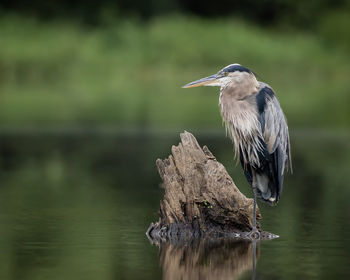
(231, 74)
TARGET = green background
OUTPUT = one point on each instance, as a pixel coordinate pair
(128, 73)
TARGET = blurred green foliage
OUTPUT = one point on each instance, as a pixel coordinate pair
(300, 14)
(335, 29)
(130, 73)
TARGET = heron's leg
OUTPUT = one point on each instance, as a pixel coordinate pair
(254, 209)
(255, 234)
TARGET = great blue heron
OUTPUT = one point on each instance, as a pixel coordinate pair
(255, 122)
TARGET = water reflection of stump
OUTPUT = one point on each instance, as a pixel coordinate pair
(206, 259)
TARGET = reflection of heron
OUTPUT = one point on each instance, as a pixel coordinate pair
(255, 122)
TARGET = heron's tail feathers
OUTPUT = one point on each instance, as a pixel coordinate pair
(266, 190)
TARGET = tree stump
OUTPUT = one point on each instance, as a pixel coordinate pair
(200, 197)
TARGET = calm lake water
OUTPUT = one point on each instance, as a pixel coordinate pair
(77, 205)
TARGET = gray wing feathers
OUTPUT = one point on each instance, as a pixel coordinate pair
(276, 134)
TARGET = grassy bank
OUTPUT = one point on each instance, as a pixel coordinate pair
(130, 73)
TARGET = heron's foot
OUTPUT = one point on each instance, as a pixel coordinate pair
(254, 234)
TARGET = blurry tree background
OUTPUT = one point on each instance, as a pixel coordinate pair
(122, 63)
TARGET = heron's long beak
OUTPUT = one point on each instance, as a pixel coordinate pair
(203, 82)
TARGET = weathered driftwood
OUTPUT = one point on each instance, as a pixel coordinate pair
(200, 196)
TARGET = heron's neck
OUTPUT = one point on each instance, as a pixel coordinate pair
(238, 98)
(240, 87)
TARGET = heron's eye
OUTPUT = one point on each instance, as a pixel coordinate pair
(226, 74)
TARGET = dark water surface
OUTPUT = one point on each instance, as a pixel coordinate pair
(77, 205)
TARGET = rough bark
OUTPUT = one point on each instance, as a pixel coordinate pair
(200, 196)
